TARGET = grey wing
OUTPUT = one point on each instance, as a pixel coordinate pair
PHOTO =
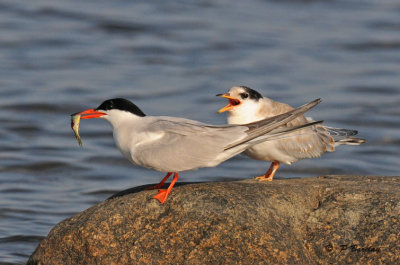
(306, 143)
(263, 127)
(186, 145)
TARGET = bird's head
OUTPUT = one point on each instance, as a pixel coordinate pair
(241, 99)
(113, 110)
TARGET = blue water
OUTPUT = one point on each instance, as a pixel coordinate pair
(171, 58)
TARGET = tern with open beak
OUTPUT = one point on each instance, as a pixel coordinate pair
(247, 105)
(171, 145)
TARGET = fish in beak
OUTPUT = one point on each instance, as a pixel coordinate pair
(76, 119)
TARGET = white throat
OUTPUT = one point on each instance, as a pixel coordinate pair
(244, 113)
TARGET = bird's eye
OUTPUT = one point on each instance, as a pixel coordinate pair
(244, 95)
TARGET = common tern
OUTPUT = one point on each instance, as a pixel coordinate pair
(171, 144)
(247, 105)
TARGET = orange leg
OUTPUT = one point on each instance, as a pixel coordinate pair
(161, 184)
(269, 175)
(162, 194)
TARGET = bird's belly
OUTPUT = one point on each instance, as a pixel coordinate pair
(269, 151)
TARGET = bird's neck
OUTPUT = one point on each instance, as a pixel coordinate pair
(119, 119)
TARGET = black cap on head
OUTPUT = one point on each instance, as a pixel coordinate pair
(252, 93)
(121, 104)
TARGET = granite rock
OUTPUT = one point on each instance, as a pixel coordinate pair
(320, 220)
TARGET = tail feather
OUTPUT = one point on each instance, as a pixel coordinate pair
(352, 141)
(344, 136)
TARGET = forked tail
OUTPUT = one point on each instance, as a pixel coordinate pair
(344, 136)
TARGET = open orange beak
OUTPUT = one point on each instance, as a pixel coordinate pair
(90, 113)
(232, 102)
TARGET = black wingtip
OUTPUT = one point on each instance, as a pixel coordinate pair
(319, 100)
(313, 103)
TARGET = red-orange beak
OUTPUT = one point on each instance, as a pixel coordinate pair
(232, 102)
(90, 113)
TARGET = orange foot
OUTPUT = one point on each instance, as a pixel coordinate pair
(264, 178)
(269, 175)
(161, 196)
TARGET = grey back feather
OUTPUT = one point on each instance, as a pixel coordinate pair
(199, 147)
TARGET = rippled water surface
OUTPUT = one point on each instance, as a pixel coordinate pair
(171, 58)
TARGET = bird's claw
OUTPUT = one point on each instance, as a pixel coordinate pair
(161, 196)
(264, 178)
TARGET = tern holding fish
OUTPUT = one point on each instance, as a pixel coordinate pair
(171, 144)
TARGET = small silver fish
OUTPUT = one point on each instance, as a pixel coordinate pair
(75, 120)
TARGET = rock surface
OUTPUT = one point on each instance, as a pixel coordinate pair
(322, 220)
